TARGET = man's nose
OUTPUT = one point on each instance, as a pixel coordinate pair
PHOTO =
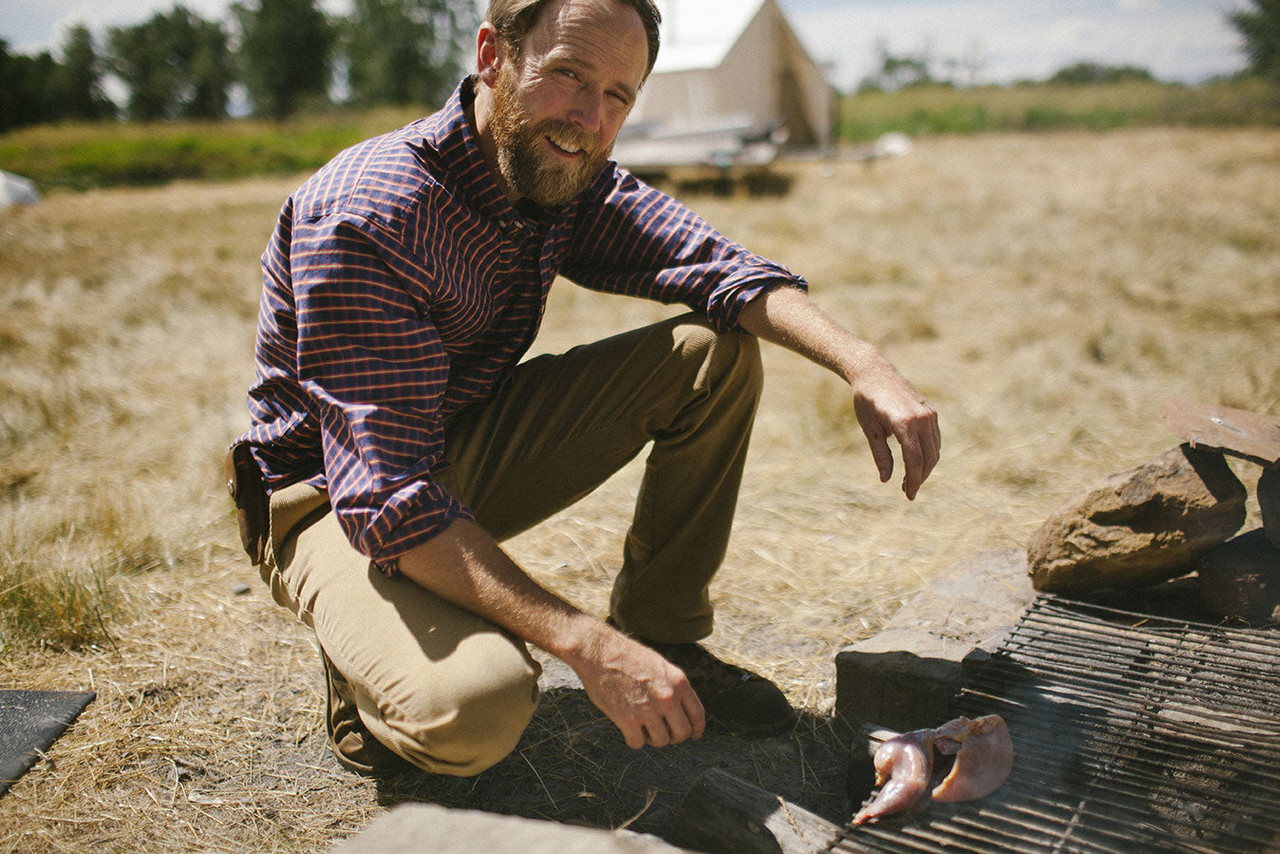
(588, 107)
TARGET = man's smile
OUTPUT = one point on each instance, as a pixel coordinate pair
(565, 146)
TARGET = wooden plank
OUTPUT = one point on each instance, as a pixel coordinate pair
(722, 814)
(1249, 435)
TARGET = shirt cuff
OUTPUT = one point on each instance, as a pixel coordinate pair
(734, 300)
(404, 522)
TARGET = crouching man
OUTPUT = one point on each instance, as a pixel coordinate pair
(397, 436)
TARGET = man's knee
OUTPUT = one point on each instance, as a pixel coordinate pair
(747, 364)
(469, 727)
(727, 357)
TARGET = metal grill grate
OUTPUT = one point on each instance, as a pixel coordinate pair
(1133, 733)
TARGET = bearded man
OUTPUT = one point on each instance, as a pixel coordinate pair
(397, 435)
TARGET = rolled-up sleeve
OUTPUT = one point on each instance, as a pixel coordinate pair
(634, 240)
(374, 371)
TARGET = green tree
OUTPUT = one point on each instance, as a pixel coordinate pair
(176, 65)
(27, 93)
(1260, 27)
(898, 72)
(285, 52)
(1093, 74)
(81, 78)
(407, 51)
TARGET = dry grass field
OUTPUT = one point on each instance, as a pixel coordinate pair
(1047, 293)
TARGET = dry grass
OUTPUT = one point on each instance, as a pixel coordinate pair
(1047, 293)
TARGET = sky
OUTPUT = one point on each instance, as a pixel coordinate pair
(1005, 40)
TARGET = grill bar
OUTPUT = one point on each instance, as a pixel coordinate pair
(1133, 733)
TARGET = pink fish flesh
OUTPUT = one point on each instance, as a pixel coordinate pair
(983, 751)
(903, 764)
(984, 757)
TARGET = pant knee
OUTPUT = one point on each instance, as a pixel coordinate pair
(731, 358)
(748, 367)
(471, 730)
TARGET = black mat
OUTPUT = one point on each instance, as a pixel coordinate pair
(30, 722)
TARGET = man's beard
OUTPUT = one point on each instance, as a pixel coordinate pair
(533, 172)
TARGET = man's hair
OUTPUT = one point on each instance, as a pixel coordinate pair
(513, 19)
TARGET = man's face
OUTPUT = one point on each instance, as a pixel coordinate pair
(557, 108)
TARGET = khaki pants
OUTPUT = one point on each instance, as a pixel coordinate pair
(451, 692)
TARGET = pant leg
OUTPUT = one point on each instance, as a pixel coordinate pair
(567, 422)
(450, 691)
(443, 688)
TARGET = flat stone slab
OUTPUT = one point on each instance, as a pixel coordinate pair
(414, 828)
(907, 676)
(1249, 435)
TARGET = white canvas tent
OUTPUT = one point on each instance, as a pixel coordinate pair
(16, 190)
(732, 83)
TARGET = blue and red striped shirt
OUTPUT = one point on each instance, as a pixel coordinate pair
(401, 284)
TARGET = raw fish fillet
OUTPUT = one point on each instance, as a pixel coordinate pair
(984, 757)
(903, 766)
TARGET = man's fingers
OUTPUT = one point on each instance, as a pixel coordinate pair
(930, 445)
(648, 698)
(920, 441)
(695, 714)
(912, 464)
(688, 719)
(881, 454)
(634, 735)
(657, 734)
(915, 429)
(677, 727)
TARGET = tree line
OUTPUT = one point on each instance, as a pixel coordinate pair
(283, 55)
(287, 55)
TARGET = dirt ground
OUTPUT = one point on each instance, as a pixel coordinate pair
(1048, 294)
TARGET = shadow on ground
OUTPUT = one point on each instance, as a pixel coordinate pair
(572, 766)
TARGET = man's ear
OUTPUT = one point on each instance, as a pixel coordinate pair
(490, 54)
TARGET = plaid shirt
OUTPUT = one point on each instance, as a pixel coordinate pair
(401, 284)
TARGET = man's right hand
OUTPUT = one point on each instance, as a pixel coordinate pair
(647, 697)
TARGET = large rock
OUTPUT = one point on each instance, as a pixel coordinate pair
(1269, 502)
(415, 827)
(1141, 526)
(1240, 579)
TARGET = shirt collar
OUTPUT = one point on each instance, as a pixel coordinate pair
(459, 149)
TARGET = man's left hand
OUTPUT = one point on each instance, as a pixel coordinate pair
(884, 402)
(887, 405)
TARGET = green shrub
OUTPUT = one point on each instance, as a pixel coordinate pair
(921, 110)
(113, 154)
